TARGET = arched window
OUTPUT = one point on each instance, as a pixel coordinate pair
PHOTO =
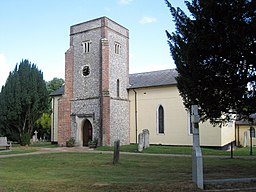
(117, 48)
(160, 119)
(117, 88)
(86, 46)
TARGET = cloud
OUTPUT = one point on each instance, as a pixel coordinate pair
(4, 68)
(125, 2)
(147, 19)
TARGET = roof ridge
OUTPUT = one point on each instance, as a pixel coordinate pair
(153, 71)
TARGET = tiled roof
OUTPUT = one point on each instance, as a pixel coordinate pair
(154, 78)
(58, 92)
(146, 79)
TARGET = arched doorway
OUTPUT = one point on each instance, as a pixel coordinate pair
(87, 132)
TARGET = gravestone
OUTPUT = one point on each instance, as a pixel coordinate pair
(146, 138)
(116, 151)
(34, 137)
(197, 160)
(141, 142)
(245, 139)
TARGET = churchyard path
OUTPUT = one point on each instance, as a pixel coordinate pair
(88, 150)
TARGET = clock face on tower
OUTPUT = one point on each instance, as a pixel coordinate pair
(86, 70)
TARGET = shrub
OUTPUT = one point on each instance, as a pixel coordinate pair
(70, 142)
(25, 139)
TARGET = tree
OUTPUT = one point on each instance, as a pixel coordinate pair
(54, 84)
(43, 124)
(23, 100)
(215, 53)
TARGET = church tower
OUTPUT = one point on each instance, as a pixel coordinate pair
(95, 103)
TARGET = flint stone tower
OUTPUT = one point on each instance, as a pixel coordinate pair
(95, 102)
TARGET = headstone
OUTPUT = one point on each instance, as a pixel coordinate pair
(197, 161)
(36, 136)
(245, 139)
(116, 151)
(34, 139)
(141, 142)
(146, 138)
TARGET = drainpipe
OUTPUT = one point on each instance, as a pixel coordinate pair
(53, 120)
(136, 114)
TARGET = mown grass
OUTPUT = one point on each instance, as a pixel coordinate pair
(17, 149)
(92, 172)
(160, 149)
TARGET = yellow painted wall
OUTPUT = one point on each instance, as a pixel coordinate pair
(210, 135)
(228, 133)
(54, 119)
(176, 119)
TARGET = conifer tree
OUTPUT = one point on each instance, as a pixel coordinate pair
(22, 100)
(214, 50)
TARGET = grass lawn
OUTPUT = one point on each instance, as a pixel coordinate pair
(157, 149)
(95, 172)
(17, 149)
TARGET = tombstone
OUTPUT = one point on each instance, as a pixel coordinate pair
(34, 139)
(146, 138)
(197, 160)
(245, 139)
(141, 142)
(36, 135)
(116, 151)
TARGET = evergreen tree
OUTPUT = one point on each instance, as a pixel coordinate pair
(214, 50)
(23, 100)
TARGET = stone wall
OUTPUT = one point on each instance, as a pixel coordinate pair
(95, 95)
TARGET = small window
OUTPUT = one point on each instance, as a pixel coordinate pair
(86, 46)
(86, 70)
(117, 88)
(117, 48)
(160, 120)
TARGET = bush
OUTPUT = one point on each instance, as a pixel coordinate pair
(70, 142)
(25, 139)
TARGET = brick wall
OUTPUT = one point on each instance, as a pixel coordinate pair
(64, 129)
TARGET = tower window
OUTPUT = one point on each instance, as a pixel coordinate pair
(117, 88)
(117, 48)
(86, 70)
(86, 46)
(160, 120)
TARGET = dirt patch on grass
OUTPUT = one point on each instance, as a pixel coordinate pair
(179, 186)
(231, 187)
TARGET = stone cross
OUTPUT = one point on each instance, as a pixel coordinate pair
(34, 138)
(36, 133)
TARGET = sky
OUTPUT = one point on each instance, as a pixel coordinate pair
(38, 30)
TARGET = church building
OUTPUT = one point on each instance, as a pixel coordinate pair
(101, 101)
